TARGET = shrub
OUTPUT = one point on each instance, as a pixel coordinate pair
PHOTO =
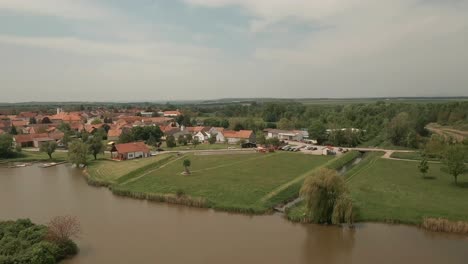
(326, 198)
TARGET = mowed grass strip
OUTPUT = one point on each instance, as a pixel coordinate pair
(229, 182)
(110, 170)
(393, 190)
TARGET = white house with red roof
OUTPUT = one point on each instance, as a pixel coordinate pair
(132, 150)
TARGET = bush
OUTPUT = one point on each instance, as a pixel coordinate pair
(22, 242)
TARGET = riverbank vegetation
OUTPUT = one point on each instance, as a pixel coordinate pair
(31, 156)
(23, 242)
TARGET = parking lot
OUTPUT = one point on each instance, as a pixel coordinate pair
(311, 149)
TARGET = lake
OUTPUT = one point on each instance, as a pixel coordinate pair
(124, 230)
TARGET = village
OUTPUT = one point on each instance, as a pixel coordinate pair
(31, 130)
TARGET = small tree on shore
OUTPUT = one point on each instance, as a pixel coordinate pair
(63, 228)
(96, 146)
(187, 164)
(48, 147)
(77, 153)
(454, 161)
(326, 197)
(423, 167)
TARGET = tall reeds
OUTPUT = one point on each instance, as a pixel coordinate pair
(445, 225)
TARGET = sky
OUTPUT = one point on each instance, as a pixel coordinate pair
(160, 50)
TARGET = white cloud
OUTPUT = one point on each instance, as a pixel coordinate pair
(73, 9)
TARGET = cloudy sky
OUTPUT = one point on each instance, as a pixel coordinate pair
(125, 50)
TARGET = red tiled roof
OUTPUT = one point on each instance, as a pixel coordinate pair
(66, 117)
(19, 123)
(197, 129)
(157, 120)
(57, 135)
(29, 137)
(114, 132)
(27, 114)
(89, 128)
(245, 134)
(132, 147)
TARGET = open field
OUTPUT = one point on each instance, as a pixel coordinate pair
(394, 191)
(227, 182)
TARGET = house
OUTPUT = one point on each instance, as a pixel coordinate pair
(202, 136)
(37, 142)
(235, 137)
(28, 140)
(328, 150)
(114, 134)
(295, 135)
(147, 114)
(172, 113)
(132, 150)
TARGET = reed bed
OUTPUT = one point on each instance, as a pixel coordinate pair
(445, 225)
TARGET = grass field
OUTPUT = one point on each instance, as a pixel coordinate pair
(109, 171)
(394, 191)
(391, 190)
(234, 182)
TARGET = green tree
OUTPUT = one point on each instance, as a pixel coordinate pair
(423, 167)
(13, 130)
(326, 197)
(96, 121)
(285, 123)
(195, 142)
(77, 153)
(6, 142)
(187, 165)
(212, 140)
(454, 160)
(398, 129)
(170, 141)
(48, 147)
(275, 142)
(64, 127)
(126, 137)
(260, 138)
(66, 139)
(189, 138)
(96, 146)
(32, 120)
(152, 141)
(181, 140)
(318, 131)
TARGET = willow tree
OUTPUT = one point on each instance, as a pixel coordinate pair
(327, 198)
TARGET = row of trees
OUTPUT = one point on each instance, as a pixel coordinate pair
(453, 157)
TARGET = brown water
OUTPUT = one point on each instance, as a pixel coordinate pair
(123, 230)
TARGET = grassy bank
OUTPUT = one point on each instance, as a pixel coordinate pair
(234, 182)
(31, 156)
(393, 191)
